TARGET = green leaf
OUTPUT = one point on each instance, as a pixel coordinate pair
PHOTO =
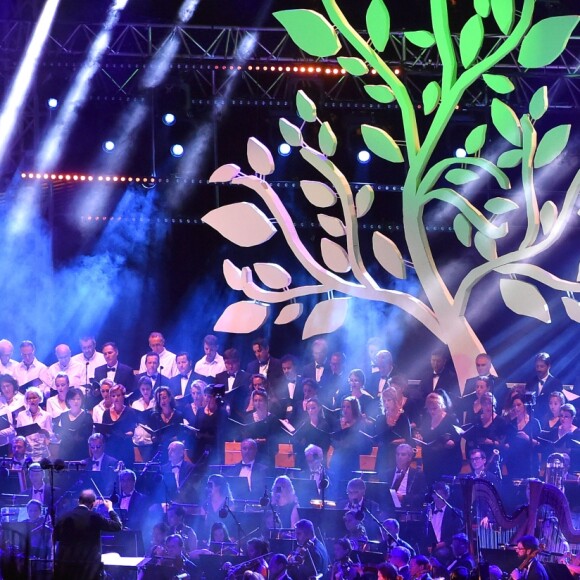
(421, 38)
(381, 144)
(499, 83)
(327, 139)
(482, 7)
(431, 96)
(462, 229)
(539, 103)
(364, 200)
(524, 298)
(471, 40)
(461, 176)
(551, 145)
(548, 216)
(290, 133)
(503, 12)
(510, 158)
(500, 205)
(380, 93)
(378, 24)
(546, 40)
(355, 66)
(485, 246)
(506, 122)
(388, 255)
(476, 139)
(306, 107)
(310, 31)
(326, 316)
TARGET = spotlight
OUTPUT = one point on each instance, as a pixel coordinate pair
(363, 157)
(108, 146)
(169, 119)
(52, 103)
(177, 150)
(460, 152)
(284, 149)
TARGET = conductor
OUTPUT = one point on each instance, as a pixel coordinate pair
(77, 538)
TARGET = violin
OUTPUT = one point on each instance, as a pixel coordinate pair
(519, 571)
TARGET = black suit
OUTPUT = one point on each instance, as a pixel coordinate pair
(543, 399)
(275, 373)
(108, 463)
(372, 383)
(160, 380)
(47, 495)
(242, 379)
(137, 510)
(447, 381)
(416, 487)
(77, 539)
(185, 479)
(451, 524)
(123, 375)
(309, 372)
(238, 397)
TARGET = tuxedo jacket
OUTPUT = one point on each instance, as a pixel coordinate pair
(186, 482)
(77, 538)
(161, 381)
(46, 501)
(242, 379)
(136, 511)
(372, 383)
(416, 487)
(108, 463)
(309, 372)
(175, 384)
(452, 524)
(275, 373)
(543, 399)
(258, 477)
(123, 375)
(447, 381)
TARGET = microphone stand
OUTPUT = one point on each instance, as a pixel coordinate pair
(455, 510)
(379, 524)
(241, 532)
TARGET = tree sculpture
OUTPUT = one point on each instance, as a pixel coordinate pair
(342, 272)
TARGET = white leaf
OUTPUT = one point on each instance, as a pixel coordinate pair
(273, 275)
(242, 317)
(224, 174)
(572, 308)
(388, 255)
(325, 317)
(233, 275)
(334, 256)
(548, 216)
(364, 200)
(242, 223)
(485, 246)
(331, 225)
(289, 313)
(318, 194)
(259, 157)
(524, 298)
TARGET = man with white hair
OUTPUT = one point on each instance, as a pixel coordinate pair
(65, 365)
(7, 365)
(89, 358)
(31, 369)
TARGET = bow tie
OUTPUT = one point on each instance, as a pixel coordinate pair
(153, 377)
(126, 495)
(319, 366)
(38, 491)
(246, 465)
(232, 375)
(109, 369)
(96, 461)
(436, 374)
(437, 511)
(175, 467)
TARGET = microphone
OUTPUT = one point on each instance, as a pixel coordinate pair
(265, 499)
(223, 513)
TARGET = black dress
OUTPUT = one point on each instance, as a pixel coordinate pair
(119, 444)
(348, 445)
(74, 435)
(521, 457)
(385, 435)
(438, 459)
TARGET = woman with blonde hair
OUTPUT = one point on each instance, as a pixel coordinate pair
(284, 501)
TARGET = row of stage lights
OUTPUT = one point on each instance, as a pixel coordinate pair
(90, 178)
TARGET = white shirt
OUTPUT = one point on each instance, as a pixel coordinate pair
(166, 360)
(73, 371)
(210, 369)
(36, 370)
(183, 381)
(437, 521)
(246, 471)
(97, 360)
(8, 369)
(8, 433)
(403, 485)
(18, 402)
(139, 405)
(53, 407)
(98, 412)
(37, 441)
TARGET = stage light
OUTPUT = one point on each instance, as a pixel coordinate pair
(177, 150)
(284, 149)
(52, 103)
(363, 157)
(460, 152)
(169, 119)
(108, 146)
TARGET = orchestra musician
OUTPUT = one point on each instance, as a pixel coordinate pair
(310, 557)
(343, 568)
(530, 568)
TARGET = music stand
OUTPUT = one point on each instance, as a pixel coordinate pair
(330, 521)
